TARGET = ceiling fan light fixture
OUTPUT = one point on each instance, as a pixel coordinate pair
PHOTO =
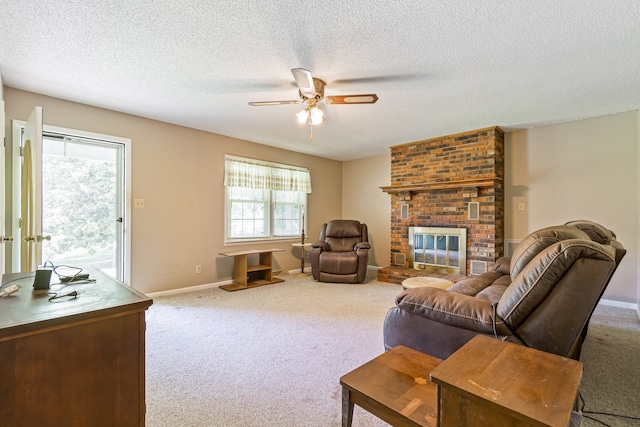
(311, 115)
(317, 115)
(303, 115)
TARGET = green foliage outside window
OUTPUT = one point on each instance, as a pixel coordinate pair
(78, 216)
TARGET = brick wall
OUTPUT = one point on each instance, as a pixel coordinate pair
(438, 177)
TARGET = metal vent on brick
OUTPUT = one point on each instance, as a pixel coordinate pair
(399, 259)
(404, 211)
(474, 211)
(478, 267)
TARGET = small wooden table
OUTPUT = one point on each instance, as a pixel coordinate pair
(250, 276)
(303, 247)
(488, 382)
(395, 387)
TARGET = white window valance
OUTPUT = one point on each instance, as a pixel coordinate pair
(249, 173)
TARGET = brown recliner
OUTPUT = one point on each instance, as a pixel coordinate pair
(341, 253)
(542, 297)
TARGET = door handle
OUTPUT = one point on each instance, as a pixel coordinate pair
(7, 238)
(36, 238)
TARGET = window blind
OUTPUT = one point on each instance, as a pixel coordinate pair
(248, 173)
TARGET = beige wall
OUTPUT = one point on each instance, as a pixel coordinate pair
(362, 199)
(586, 169)
(179, 172)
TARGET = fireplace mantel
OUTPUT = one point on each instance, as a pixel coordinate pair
(441, 185)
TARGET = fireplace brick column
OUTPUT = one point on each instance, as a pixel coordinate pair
(437, 178)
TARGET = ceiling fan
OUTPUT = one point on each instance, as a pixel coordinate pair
(311, 91)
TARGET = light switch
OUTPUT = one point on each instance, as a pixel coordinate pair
(139, 203)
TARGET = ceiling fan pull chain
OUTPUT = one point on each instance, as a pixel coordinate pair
(310, 130)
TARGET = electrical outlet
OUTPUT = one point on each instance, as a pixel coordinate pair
(198, 269)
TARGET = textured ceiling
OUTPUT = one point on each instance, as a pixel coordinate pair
(438, 67)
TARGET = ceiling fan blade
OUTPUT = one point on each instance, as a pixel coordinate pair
(370, 98)
(304, 80)
(264, 103)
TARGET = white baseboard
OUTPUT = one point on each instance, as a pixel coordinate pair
(226, 282)
(188, 289)
(200, 287)
(619, 304)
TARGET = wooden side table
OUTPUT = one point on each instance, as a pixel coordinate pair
(250, 276)
(395, 387)
(488, 382)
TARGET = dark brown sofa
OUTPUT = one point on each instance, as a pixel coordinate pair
(341, 252)
(541, 297)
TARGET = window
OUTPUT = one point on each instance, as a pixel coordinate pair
(264, 200)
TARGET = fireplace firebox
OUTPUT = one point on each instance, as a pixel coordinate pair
(438, 249)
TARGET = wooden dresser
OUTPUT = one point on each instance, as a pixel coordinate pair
(73, 361)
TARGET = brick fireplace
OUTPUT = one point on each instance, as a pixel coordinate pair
(451, 181)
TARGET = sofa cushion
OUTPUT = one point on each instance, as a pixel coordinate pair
(503, 265)
(452, 308)
(343, 228)
(537, 241)
(488, 286)
(339, 262)
(596, 232)
(531, 287)
(343, 235)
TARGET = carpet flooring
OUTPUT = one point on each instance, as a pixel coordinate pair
(273, 355)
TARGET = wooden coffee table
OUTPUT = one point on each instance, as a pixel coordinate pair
(395, 387)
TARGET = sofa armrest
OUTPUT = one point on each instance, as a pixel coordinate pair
(450, 308)
(503, 265)
(320, 245)
(362, 246)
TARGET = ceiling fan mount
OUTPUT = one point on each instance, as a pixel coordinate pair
(318, 86)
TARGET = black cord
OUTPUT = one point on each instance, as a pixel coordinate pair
(628, 417)
(65, 277)
(609, 414)
(73, 295)
(596, 420)
(493, 321)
